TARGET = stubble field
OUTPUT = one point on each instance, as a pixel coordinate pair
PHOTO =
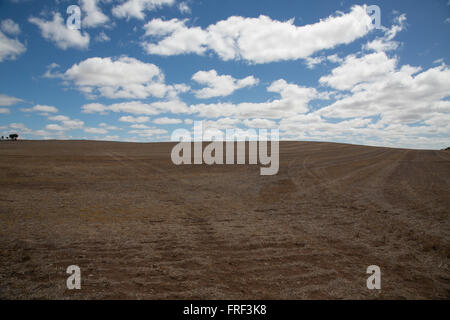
(140, 227)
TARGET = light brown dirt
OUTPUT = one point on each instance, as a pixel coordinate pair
(140, 227)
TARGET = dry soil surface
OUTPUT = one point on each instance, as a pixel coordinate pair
(140, 227)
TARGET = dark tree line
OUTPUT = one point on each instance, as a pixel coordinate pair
(12, 136)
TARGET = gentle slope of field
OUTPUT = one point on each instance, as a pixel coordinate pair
(141, 227)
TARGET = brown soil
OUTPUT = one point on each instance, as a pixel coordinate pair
(140, 227)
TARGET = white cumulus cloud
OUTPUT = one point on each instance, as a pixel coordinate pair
(124, 77)
(220, 85)
(138, 108)
(41, 108)
(10, 27)
(293, 99)
(93, 16)
(56, 31)
(136, 8)
(167, 121)
(10, 49)
(134, 119)
(6, 101)
(257, 40)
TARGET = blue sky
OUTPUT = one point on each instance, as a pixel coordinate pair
(136, 70)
